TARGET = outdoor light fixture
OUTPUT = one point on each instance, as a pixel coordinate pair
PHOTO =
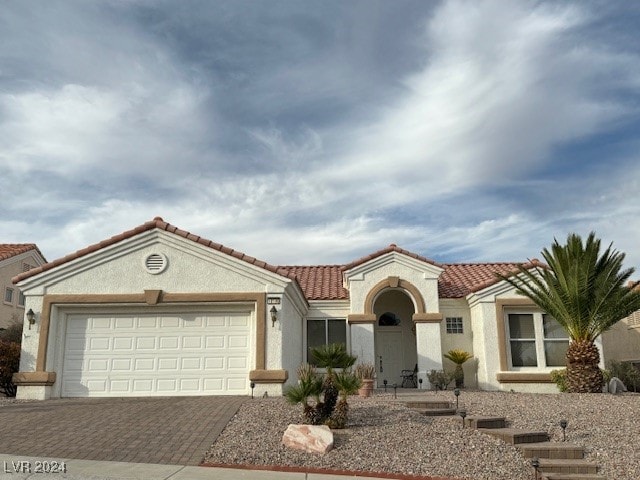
(535, 463)
(252, 385)
(31, 318)
(385, 385)
(456, 392)
(274, 315)
(420, 382)
(463, 414)
(563, 426)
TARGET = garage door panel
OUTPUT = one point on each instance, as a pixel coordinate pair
(175, 354)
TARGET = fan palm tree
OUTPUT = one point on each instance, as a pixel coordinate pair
(586, 292)
(347, 383)
(330, 356)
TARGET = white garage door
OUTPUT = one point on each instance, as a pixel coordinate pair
(118, 355)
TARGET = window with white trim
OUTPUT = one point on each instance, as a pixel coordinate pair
(20, 299)
(454, 325)
(323, 332)
(8, 295)
(535, 340)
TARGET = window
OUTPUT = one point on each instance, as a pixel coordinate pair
(454, 325)
(536, 340)
(324, 332)
(20, 299)
(8, 295)
(388, 319)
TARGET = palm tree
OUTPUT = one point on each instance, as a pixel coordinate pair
(330, 356)
(347, 384)
(309, 385)
(458, 357)
(586, 292)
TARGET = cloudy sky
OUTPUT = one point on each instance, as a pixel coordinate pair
(317, 132)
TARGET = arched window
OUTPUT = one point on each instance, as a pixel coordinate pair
(388, 319)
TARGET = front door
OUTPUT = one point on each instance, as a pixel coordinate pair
(389, 359)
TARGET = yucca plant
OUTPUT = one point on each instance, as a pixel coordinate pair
(586, 292)
(458, 356)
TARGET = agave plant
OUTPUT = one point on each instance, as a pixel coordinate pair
(458, 356)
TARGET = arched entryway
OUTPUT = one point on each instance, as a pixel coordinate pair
(395, 334)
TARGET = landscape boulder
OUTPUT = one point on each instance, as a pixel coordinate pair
(616, 386)
(309, 438)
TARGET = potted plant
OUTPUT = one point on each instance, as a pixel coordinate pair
(366, 373)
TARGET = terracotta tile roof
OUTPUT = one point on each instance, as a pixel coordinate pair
(8, 250)
(391, 248)
(159, 223)
(324, 282)
(320, 282)
(460, 279)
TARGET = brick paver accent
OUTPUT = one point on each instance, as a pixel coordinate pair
(169, 430)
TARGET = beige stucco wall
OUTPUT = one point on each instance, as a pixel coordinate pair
(192, 268)
(464, 341)
(423, 276)
(9, 268)
(622, 342)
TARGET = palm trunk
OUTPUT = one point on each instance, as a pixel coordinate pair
(583, 371)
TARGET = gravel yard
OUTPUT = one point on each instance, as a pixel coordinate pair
(384, 436)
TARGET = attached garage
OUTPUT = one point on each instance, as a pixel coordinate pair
(111, 353)
(157, 311)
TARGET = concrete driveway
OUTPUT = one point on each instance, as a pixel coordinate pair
(168, 430)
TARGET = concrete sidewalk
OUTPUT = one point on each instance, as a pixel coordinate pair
(16, 467)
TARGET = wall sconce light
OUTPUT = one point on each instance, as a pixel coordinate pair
(31, 318)
(274, 315)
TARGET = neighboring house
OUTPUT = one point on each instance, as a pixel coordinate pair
(622, 342)
(15, 258)
(160, 311)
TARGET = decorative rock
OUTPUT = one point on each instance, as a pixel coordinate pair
(310, 438)
(616, 386)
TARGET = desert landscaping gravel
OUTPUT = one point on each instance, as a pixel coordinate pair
(385, 436)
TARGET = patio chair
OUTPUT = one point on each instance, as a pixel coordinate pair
(409, 377)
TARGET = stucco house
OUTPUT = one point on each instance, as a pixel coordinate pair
(15, 258)
(160, 311)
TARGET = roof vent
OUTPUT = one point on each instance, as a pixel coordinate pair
(155, 263)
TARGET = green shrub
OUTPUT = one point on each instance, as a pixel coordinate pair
(439, 379)
(560, 379)
(9, 364)
(627, 372)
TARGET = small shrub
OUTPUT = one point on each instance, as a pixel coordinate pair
(439, 379)
(560, 379)
(365, 371)
(9, 364)
(13, 333)
(628, 373)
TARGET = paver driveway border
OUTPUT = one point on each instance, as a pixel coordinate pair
(161, 430)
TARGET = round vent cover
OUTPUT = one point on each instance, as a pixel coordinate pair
(155, 263)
